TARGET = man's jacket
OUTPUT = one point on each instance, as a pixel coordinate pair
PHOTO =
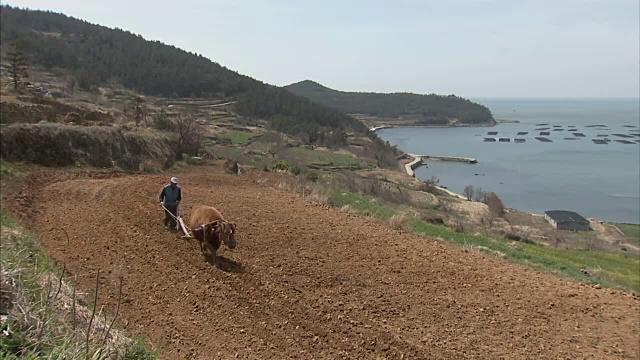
(169, 196)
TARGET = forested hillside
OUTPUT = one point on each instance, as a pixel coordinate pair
(97, 55)
(431, 109)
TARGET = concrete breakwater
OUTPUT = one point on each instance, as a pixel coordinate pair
(427, 126)
(421, 159)
(448, 158)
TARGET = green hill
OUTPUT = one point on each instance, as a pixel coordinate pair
(424, 109)
(96, 55)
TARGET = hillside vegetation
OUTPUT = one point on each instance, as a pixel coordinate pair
(97, 146)
(96, 55)
(425, 109)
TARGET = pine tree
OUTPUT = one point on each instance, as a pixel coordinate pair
(17, 65)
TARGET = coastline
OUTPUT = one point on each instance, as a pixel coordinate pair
(435, 126)
(610, 207)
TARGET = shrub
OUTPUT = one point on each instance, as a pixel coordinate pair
(518, 237)
(430, 187)
(398, 222)
(445, 206)
(313, 177)
(150, 166)
(139, 350)
(437, 220)
(66, 145)
(190, 160)
(459, 227)
(385, 192)
(280, 165)
(320, 196)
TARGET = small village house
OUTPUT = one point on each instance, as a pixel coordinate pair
(567, 220)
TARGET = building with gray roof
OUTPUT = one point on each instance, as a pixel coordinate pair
(567, 220)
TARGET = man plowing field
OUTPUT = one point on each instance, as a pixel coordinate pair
(170, 197)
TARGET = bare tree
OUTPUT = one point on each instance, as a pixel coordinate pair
(138, 109)
(69, 85)
(481, 195)
(495, 204)
(496, 207)
(162, 121)
(279, 146)
(189, 135)
(489, 219)
(469, 192)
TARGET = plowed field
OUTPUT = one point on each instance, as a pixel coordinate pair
(308, 281)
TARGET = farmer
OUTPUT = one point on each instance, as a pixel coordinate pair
(170, 197)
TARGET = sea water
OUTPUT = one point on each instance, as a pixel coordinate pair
(596, 180)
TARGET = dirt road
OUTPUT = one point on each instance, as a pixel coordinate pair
(308, 281)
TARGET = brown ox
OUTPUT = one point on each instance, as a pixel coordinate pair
(211, 229)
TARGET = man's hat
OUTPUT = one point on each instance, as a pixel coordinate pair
(174, 180)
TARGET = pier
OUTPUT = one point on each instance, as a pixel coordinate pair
(421, 159)
(376, 128)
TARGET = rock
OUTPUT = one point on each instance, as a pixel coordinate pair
(598, 286)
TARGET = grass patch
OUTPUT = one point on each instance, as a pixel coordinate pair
(240, 137)
(13, 170)
(611, 270)
(363, 204)
(324, 158)
(37, 303)
(608, 269)
(207, 142)
(223, 118)
(226, 152)
(631, 231)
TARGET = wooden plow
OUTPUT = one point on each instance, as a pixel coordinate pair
(180, 225)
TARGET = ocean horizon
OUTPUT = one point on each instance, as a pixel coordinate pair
(566, 172)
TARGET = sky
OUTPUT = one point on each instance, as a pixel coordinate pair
(475, 49)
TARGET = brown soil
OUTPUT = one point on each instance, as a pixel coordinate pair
(307, 281)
